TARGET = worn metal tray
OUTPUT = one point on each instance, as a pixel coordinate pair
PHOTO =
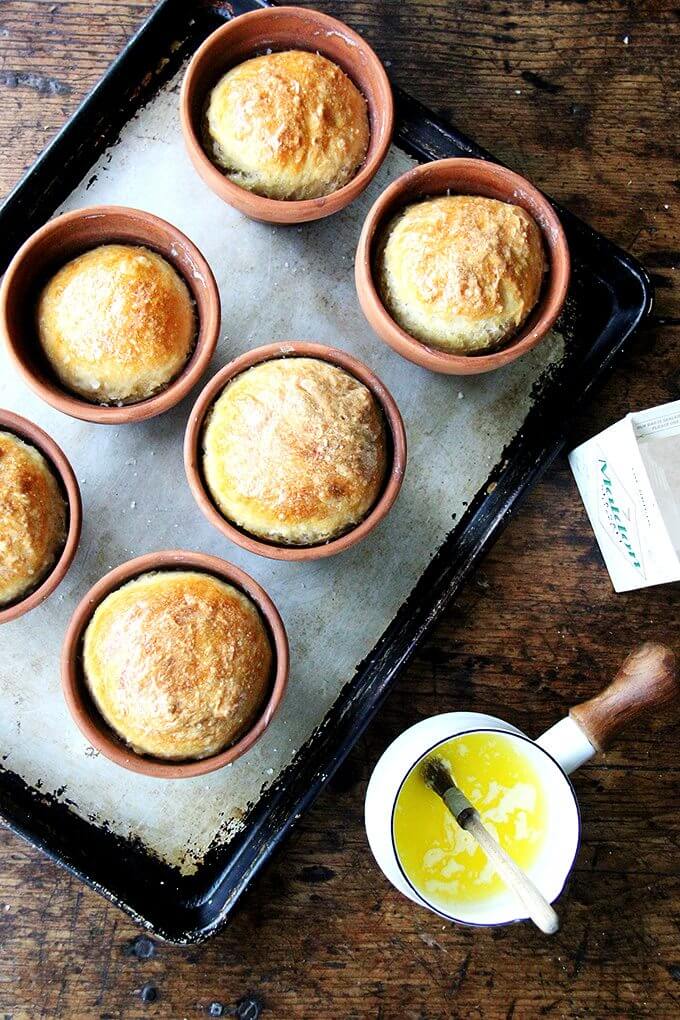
(609, 295)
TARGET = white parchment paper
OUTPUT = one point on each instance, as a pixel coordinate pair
(276, 284)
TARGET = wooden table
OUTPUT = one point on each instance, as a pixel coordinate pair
(583, 99)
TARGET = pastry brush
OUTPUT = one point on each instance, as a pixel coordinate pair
(438, 777)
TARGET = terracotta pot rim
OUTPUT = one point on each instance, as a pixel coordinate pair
(270, 352)
(35, 436)
(379, 100)
(412, 186)
(89, 721)
(208, 314)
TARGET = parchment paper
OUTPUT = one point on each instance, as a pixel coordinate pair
(276, 284)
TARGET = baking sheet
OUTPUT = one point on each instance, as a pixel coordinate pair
(276, 284)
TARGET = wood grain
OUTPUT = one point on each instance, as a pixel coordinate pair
(583, 98)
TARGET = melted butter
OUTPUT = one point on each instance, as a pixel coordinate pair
(443, 862)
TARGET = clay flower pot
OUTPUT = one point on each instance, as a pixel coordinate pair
(285, 28)
(463, 177)
(30, 433)
(82, 708)
(68, 236)
(193, 443)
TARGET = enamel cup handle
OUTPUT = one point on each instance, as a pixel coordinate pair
(646, 683)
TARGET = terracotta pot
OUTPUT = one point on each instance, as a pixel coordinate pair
(463, 177)
(26, 430)
(61, 240)
(284, 28)
(193, 450)
(82, 708)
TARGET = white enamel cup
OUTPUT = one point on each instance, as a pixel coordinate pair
(647, 680)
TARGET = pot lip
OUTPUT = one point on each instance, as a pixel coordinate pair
(542, 317)
(208, 314)
(83, 711)
(35, 436)
(271, 352)
(271, 210)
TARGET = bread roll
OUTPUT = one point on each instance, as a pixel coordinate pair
(295, 451)
(117, 324)
(178, 663)
(287, 125)
(461, 273)
(32, 518)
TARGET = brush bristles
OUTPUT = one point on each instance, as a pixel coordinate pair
(437, 776)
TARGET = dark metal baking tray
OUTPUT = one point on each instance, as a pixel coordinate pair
(610, 294)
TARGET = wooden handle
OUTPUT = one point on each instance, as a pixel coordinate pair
(646, 682)
(535, 903)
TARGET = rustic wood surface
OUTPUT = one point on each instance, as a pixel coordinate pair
(583, 98)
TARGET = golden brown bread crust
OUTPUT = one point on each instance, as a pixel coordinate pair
(32, 518)
(178, 663)
(117, 324)
(461, 273)
(295, 451)
(287, 125)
